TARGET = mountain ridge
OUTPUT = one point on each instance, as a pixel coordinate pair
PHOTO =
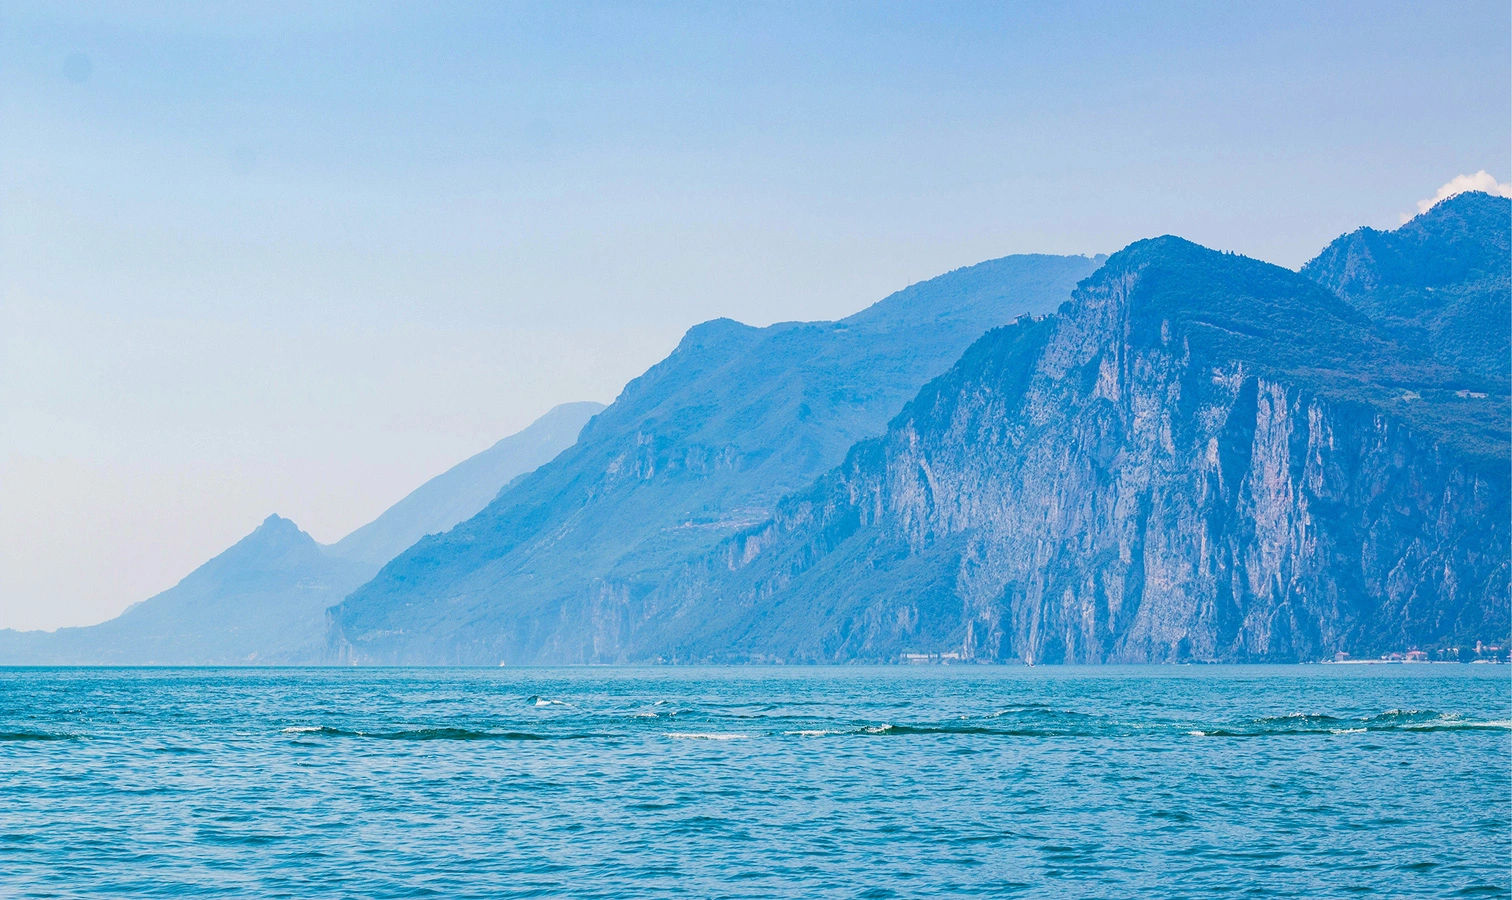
(1024, 505)
(277, 570)
(264, 599)
(462, 491)
(706, 441)
(1443, 281)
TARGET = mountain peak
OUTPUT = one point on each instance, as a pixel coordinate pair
(275, 531)
(1474, 205)
(1440, 282)
(279, 529)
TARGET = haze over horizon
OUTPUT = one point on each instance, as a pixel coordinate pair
(298, 262)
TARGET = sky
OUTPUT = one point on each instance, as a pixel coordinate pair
(299, 258)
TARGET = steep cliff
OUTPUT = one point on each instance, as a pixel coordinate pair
(1202, 457)
(702, 445)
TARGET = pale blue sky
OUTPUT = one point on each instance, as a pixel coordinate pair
(297, 258)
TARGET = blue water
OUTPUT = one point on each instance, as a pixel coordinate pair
(1318, 781)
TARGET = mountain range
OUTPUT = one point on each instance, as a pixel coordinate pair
(1170, 454)
(264, 600)
(704, 444)
(1198, 456)
(1155, 474)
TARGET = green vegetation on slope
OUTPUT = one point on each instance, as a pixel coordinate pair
(1442, 282)
(1233, 307)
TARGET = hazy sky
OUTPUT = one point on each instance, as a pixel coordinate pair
(298, 258)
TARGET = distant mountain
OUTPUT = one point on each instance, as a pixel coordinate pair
(702, 445)
(1442, 282)
(462, 491)
(1171, 454)
(1202, 457)
(264, 600)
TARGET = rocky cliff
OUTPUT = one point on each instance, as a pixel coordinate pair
(1202, 457)
(702, 445)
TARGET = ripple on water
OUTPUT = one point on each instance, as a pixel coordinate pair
(1298, 782)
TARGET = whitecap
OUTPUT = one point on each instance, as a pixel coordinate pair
(706, 736)
(1455, 723)
(1347, 730)
(1197, 733)
(818, 732)
(303, 729)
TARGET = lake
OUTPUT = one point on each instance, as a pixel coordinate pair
(1284, 781)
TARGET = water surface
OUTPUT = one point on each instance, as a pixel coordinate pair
(1312, 781)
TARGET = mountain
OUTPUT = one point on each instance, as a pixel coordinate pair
(462, 491)
(264, 600)
(1442, 282)
(703, 444)
(261, 601)
(1202, 457)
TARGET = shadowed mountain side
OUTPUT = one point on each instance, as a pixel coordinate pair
(1203, 457)
(262, 601)
(703, 444)
(1442, 282)
(462, 491)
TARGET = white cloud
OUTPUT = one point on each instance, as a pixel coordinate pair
(1459, 184)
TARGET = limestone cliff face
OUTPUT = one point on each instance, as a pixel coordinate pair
(1176, 467)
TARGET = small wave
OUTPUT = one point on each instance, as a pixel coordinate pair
(456, 734)
(546, 701)
(420, 734)
(644, 716)
(1041, 712)
(706, 736)
(951, 728)
(817, 732)
(1296, 718)
(1393, 715)
(1457, 725)
(1389, 719)
(1025, 708)
(1394, 720)
(34, 736)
